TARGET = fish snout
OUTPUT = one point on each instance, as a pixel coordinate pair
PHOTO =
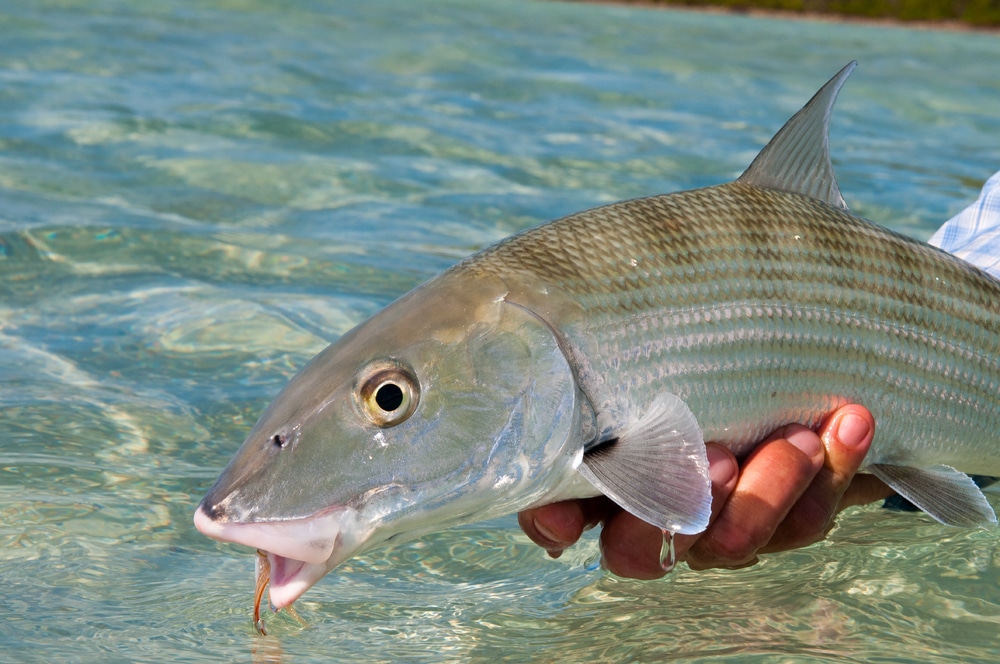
(209, 519)
(212, 511)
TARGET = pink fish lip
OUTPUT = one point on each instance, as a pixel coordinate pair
(300, 551)
(291, 578)
(310, 539)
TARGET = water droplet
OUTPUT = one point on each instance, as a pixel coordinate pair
(668, 555)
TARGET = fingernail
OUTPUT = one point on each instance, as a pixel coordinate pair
(807, 441)
(852, 430)
(552, 543)
(720, 466)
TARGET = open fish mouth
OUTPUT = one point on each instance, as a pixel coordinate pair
(291, 578)
(299, 551)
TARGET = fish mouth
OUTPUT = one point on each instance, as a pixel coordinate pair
(291, 578)
(300, 551)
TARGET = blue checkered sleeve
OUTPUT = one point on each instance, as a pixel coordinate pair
(974, 233)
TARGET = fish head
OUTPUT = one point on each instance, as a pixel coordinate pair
(451, 405)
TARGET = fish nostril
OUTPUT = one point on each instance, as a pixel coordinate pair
(279, 440)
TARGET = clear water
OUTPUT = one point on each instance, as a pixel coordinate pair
(195, 198)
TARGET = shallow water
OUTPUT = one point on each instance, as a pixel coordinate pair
(194, 199)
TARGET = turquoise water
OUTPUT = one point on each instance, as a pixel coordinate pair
(195, 198)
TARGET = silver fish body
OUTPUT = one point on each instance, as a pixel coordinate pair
(760, 308)
(596, 354)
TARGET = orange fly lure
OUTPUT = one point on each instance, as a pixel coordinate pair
(263, 576)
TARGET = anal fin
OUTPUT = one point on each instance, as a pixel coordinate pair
(946, 494)
(657, 468)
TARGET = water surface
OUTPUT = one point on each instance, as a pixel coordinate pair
(195, 198)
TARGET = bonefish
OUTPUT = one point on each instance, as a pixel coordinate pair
(597, 353)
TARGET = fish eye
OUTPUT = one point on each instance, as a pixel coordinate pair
(389, 397)
(387, 393)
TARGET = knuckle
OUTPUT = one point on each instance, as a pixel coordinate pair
(732, 546)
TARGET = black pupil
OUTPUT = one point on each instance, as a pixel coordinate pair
(389, 397)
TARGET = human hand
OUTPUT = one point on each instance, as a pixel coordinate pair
(785, 496)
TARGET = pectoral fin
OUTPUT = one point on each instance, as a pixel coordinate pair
(657, 468)
(946, 494)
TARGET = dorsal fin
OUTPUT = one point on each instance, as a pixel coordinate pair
(798, 157)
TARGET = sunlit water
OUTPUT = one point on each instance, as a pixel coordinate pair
(196, 197)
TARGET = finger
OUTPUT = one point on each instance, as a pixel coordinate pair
(773, 478)
(557, 526)
(631, 547)
(864, 489)
(725, 473)
(846, 434)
